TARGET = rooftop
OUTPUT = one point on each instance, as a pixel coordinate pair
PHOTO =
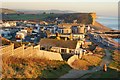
(58, 43)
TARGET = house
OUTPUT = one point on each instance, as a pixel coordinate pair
(5, 33)
(21, 35)
(61, 46)
(69, 36)
(64, 30)
(9, 23)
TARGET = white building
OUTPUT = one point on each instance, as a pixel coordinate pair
(21, 34)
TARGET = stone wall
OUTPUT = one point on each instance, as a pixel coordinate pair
(7, 50)
(30, 51)
(19, 52)
(72, 59)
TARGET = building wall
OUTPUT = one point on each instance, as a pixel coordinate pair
(49, 55)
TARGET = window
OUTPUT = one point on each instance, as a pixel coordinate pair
(63, 50)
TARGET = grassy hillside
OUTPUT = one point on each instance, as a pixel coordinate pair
(8, 11)
(86, 62)
(115, 64)
(26, 16)
(32, 68)
(67, 17)
(111, 73)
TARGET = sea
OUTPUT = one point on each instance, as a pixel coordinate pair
(111, 22)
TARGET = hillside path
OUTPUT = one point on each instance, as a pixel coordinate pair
(79, 73)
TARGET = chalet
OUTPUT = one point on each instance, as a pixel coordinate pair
(61, 46)
(9, 23)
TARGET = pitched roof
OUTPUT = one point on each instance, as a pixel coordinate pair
(58, 43)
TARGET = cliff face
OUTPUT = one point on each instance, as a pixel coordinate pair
(93, 15)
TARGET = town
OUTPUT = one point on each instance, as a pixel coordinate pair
(58, 40)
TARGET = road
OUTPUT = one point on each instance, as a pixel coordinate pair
(79, 73)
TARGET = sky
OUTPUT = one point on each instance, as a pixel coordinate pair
(101, 7)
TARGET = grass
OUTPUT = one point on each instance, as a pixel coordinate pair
(28, 16)
(81, 64)
(111, 73)
(114, 65)
(56, 72)
(87, 62)
(93, 60)
(32, 68)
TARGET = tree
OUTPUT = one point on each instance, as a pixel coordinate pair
(44, 12)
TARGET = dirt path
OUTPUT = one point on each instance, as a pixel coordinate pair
(79, 73)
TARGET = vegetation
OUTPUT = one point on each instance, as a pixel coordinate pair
(56, 72)
(81, 64)
(115, 64)
(2, 10)
(92, 59)
(32, 68)
(84, 18)
(99, 50)
(86, 62)
(4, 41)
(111, 73)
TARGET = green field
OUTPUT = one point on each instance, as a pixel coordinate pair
(55, 72)
(84, 18)
(111, 73)
(27, 16)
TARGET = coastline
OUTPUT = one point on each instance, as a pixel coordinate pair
(100, 27)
